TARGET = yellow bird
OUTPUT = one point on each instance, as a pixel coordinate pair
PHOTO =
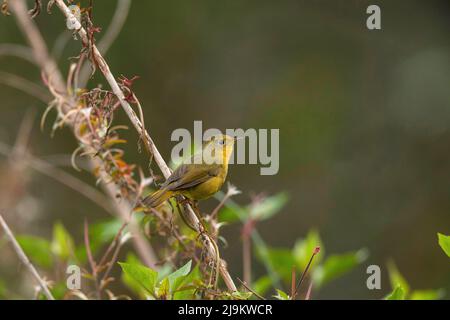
(199, 179)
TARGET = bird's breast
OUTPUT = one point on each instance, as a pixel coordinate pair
(205, 189)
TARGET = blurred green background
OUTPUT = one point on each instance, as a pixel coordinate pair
(364, 119)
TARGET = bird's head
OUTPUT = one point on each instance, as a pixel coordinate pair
(220, 148)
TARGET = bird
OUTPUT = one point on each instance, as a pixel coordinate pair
(201, 177)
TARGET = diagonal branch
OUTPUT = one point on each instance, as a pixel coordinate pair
(16, 50)
(24, 85)
(148, 142)
(115, 26)
(63, 177)
(23, 257)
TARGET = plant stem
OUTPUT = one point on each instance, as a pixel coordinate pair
(23, 257)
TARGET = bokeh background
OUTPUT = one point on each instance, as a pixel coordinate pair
(364, 119)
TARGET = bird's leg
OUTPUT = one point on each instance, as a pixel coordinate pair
(194, 205)
(201, 228)
(181, 211)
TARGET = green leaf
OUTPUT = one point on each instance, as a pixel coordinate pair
(163, 289)
(103, 232)
(444, 242)
(282, 261)
(262, 285)
(188, 285)
(397, 294)
(59, 290)
(229, 215)
(268, 207)
(427, 294)
(129, 281)
(281, 295)
(337, 265)
(396, 278)
(146, 277)
(37, 249)
(164, 271)
(176, 278)
(62, 244)
(304, 248)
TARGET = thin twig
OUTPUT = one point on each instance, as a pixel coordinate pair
(247, 256)
(111, 263)
(91, 260)
(23, 257)
(113, 244)
(251, 290)
(124, 210)
(24, 85)
(115, 26)
(231, 191)
(314, 253)
(16, 50)
(309, 292)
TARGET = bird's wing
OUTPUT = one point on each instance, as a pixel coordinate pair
(189, 175)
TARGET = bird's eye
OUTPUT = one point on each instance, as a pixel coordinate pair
(221, 142)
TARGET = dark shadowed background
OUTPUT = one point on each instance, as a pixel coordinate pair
(364, 119)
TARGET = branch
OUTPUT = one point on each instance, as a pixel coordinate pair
(148, 142)
(37, 44)
(23, 257)
(24, 85)
(115, 26)
(63, 177)
(15, 50)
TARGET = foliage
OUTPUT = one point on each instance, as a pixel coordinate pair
(444, 242)
(401, 289)
(324, 269)
(180, 284)
(37, 249)
(397, 294)
(281, 295)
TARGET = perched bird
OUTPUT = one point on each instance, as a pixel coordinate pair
(201, 177)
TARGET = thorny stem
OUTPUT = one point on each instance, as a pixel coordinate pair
(148, 142)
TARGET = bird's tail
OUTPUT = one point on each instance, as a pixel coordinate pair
(157, 198)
